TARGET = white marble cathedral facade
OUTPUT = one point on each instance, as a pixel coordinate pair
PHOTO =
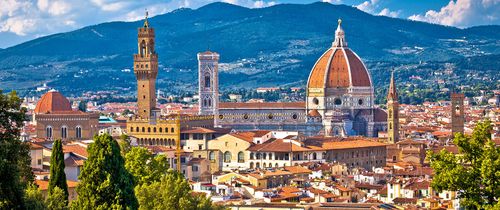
(339, 99)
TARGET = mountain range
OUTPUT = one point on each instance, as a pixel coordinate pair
(270, 46)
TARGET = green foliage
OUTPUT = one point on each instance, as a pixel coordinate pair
(474, 173)
(105, 183)
(82, 106)
(124, 144)
(57, 199)
(144, 166)
(33, 199)
(172, 192)
(57, 174)
(15, 162)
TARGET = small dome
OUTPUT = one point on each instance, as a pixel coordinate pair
(52, 101)
(339, 66)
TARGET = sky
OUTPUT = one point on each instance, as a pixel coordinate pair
(23, 20)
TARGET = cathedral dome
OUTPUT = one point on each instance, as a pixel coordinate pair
(52, 101)
(338, 67)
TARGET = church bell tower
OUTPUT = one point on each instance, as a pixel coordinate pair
(457, 113)
(146, 70)
(208, 83)
(392, 113)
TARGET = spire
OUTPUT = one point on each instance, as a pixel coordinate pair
(339, 36)
(392, 93)
(146, 24)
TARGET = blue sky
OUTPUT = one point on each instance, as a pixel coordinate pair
(23, 20)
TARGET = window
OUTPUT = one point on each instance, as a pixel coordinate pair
(338, 101)
(172, 130)
(79, 132)
(195, 168)
(294, 116)
(227, 157)
(211, 156)
(48, 132)
(315, 101)
(241, 157)
(360, 101)
(64, 132)
(251, 155)
(207, 81)
(200, 146)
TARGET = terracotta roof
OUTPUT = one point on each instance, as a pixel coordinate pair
(53, 102)
(379, 115)
(76, 149)
(44, 184)
(34, 146)
(280, 145)
(297, 170)
(314, 113)
(74, 161)
(341, 67)
(264, 105)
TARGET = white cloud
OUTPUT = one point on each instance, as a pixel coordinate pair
(463, 13)
(368, 6)
(371, 6)
(389, 13)
(333, 1)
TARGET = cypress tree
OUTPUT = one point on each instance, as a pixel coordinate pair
(57, 175)
(104, 181)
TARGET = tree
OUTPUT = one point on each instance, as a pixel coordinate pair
(57, 199)
(172, 192)
(104, 181)
(474, 173)
(57, 174)
(15, 161)
(33, 199)
(82, 106)
(144, 166)
(124, 144)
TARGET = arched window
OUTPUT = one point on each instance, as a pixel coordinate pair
(257, 165)
(390, 125)
(166, 130)
(149, 130)
(64, 132)
(241, 157)
(257, 156)
(161, 129)
(227, 157)
(251, 155)
(48, 132)
(78, 131)
(211, 156)
(143, 129)
(143, 48)
(207, 81)
(136, 129)
(251, 165)
(154, 130)
(172, 130)
(264, 156)
(314, 156)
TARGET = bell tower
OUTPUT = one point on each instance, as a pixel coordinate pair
(457, 113)
(208, 83)
(146, 70)
(392, 113)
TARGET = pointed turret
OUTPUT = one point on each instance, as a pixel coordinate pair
(146, 23)
(339, 36)
(392, 113)
(392, 94)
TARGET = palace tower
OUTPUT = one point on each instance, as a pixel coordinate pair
(146, 70)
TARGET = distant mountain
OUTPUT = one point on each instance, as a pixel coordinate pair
(259, 47)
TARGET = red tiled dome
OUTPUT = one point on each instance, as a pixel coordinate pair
(52, 102)
(339, 66)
